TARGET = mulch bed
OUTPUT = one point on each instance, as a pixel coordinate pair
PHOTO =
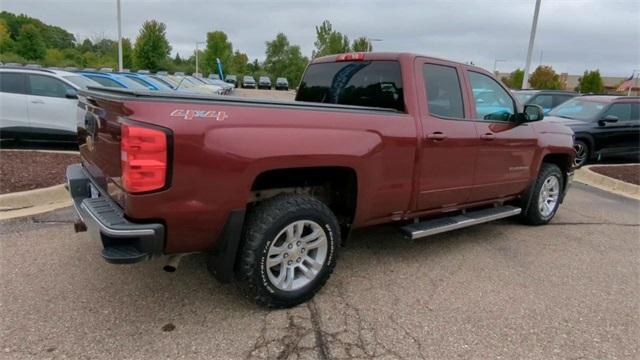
(28, 170)
(626, 173)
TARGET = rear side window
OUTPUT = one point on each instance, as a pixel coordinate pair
(105, 81)
(13, 83)
(444, 96)
(559, 99)
(621, 111)
(546, 101)
(361, 83)
(42, 85)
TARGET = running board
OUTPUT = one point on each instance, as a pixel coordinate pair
(436, 226)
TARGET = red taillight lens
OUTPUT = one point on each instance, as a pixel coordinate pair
(143, 155)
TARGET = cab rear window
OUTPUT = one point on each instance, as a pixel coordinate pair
(360, 83)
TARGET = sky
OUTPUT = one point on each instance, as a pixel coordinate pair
(572, 36)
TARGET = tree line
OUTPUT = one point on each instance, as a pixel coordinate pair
(24, 39)
(545, 78)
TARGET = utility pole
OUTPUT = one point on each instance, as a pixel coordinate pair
(119, 37)
(369, 45)
(532, 36)
(197, 53)
(495, 65)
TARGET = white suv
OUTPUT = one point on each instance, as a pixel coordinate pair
(39, 103)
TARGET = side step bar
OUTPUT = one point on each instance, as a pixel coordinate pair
(436, 226)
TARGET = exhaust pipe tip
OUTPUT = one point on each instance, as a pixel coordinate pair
(172, 263)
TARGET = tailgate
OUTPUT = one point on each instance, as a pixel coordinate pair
(98, 122)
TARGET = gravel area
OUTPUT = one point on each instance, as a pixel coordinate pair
(28, 170)
(626, 173)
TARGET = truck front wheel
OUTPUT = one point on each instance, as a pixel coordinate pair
(288, 250)
(543, 196)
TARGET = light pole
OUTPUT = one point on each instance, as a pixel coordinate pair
(369, 46)
(119, 37)
(532, 36)
(197, 51)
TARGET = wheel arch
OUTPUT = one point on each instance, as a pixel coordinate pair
(336, 186)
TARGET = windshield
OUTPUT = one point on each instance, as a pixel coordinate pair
(523, 97)
(165, 81)
(578, 109)
(81, 81)
(131, 84)
(157, 83)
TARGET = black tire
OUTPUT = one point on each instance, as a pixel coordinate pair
(262, 227)
(532, 214)
(583, 153)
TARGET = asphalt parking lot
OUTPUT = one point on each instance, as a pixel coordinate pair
(568, 290)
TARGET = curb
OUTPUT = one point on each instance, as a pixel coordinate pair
(589, 177)
(32, 202)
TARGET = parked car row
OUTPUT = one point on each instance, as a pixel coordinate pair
(264, 82)
(41, 103)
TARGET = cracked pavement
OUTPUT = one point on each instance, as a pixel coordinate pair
(499, 290)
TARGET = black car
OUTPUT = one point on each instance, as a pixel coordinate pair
(282, 84)
(548, 99)
(231, 79)
(264, 82)
(603, 125)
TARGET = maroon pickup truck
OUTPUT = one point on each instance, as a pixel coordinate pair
(271, 189)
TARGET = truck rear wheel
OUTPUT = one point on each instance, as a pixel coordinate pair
(543, 196)
(288, 250)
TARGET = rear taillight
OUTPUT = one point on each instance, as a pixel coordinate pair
(143, 155)
(350, 57)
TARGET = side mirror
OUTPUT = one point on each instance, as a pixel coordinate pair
(532, 112)
(71, 94)
(607, 119)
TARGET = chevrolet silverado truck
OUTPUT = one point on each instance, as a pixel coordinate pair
(271, 189)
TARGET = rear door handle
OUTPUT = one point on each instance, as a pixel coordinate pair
(487, 136)
(37, 102)
(437, 136)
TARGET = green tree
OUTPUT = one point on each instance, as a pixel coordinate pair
(151, 47)
(361, 44)
(329, 41)
(514, 80)
(218, 47)
(85, 46)
(253, 68)
(545, 78)
(54, 57)
(127, 54)
(284, 59)
(590, 82)
(6, 42)
(90, 59)
(239, 63)
(29, 44)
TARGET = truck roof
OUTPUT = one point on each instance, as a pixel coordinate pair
(385, 56)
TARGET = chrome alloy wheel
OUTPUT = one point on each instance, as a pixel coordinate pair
(296, 255)
(549, 195)
(581, 154)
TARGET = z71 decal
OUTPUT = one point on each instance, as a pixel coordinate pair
(200, 114)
